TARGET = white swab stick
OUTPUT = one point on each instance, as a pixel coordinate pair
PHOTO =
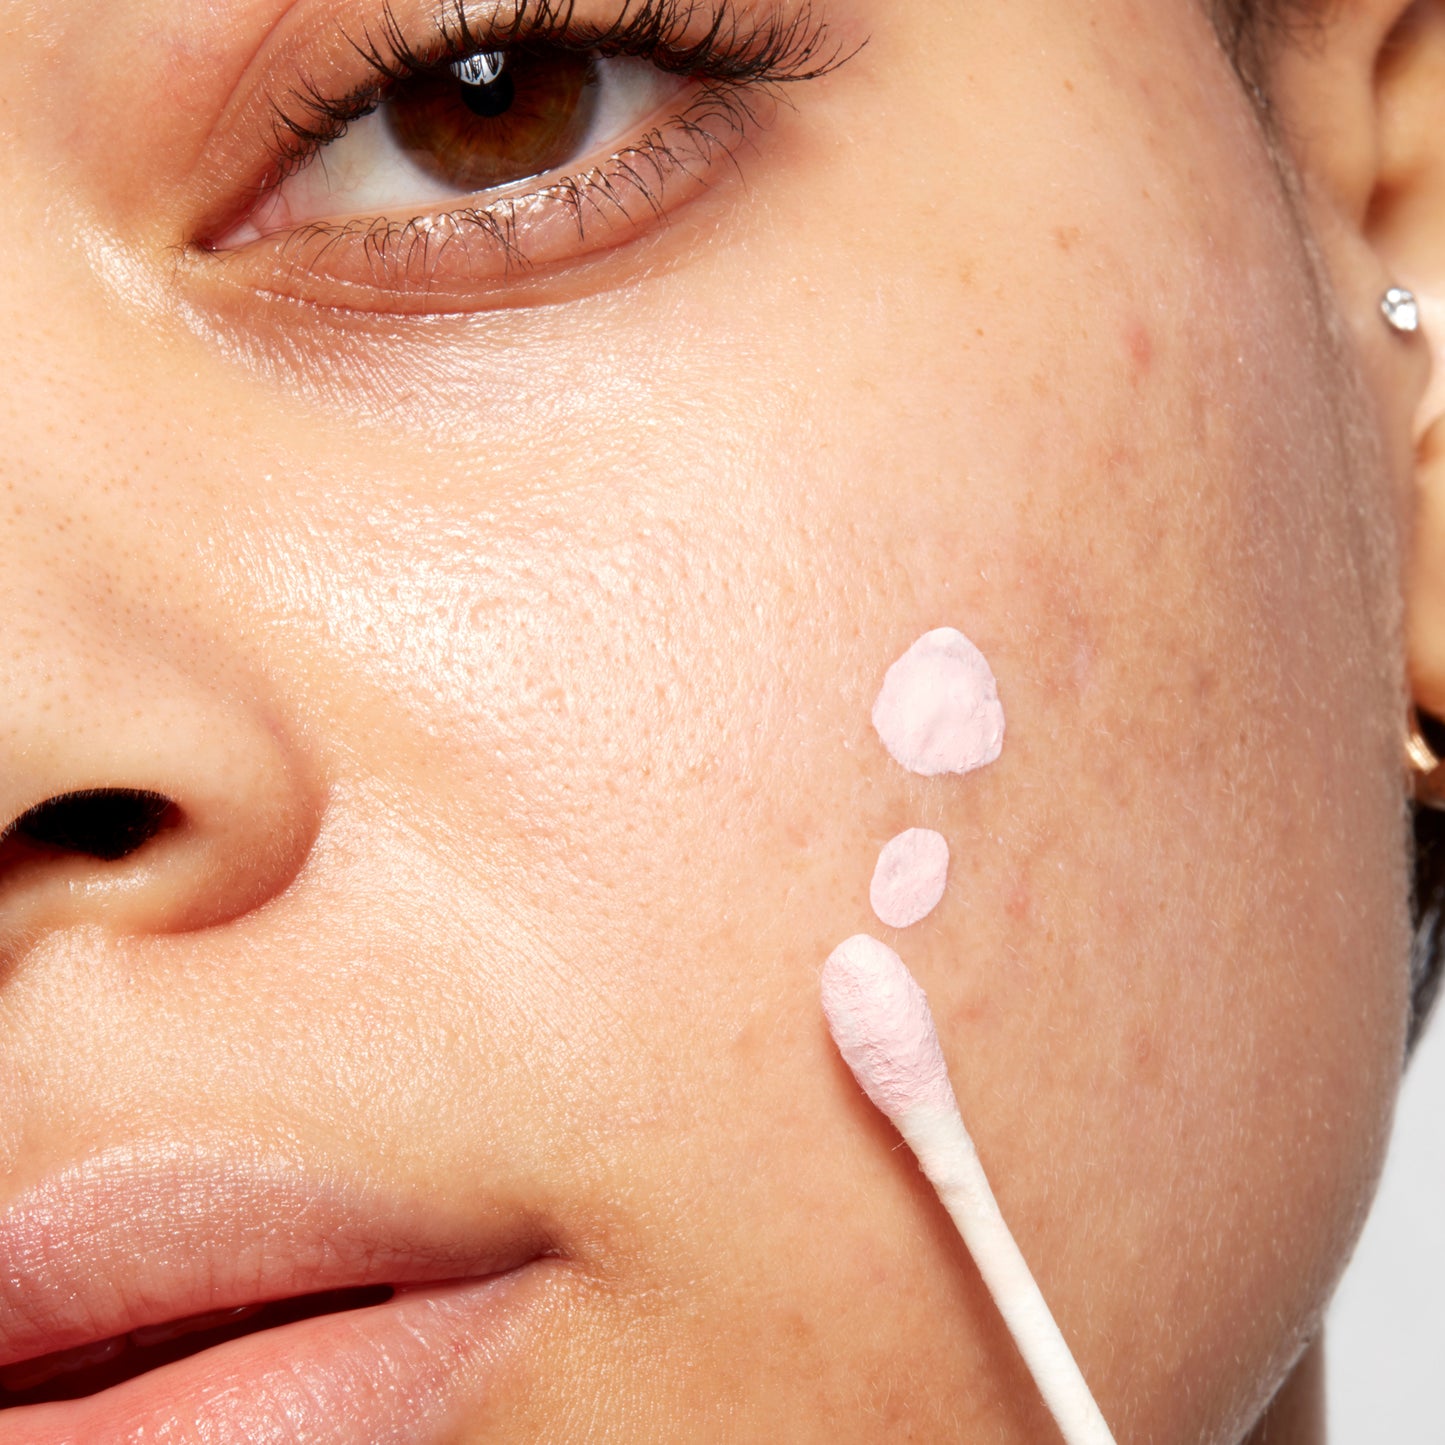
(883, 1027)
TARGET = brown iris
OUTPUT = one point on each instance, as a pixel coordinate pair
(527, 118)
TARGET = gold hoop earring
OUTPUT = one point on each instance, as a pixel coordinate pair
(1427, 768)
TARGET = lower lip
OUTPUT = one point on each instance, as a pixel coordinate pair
(403, 1371)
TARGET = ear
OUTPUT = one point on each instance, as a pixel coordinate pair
(1407, 223)
(1361, 97)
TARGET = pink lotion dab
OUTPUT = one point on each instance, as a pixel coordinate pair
(938, 711)
(909, 880)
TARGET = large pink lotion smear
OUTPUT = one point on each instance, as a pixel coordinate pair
(938, 711)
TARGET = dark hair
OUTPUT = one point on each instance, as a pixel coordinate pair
(1429, 903)
(1242, 22)
(1238, 22)
(1249, 30)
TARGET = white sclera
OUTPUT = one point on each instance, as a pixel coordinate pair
(938, 711)
(909, 880)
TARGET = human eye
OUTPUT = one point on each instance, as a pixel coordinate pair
(472, 152)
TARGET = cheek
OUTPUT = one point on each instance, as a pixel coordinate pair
(634, 688)
(1169, 961)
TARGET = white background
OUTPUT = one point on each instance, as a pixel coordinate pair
(1385, 1343)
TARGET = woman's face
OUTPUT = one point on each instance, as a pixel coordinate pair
(504, 634)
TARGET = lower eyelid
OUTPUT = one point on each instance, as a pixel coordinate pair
(481, 257)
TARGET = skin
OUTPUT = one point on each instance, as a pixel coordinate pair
(511, 669)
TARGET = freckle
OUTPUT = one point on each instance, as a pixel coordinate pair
(1067, 237)
(747, 1040)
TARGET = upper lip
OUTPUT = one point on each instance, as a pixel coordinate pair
(138, 1236)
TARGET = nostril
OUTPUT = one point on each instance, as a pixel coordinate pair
(105, 823)
(136, 799)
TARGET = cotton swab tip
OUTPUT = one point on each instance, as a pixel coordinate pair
(884, 1029)
(881, 1022)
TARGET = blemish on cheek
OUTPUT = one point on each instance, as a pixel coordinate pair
(938, 711)
(1140, 346)
(909, 880)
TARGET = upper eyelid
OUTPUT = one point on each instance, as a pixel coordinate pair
(330, 55)
(721, 39)
(313, 49)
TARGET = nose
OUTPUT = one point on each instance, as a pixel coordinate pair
(141, 789)
(153, 777)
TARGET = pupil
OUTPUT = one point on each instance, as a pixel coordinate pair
(491, 98)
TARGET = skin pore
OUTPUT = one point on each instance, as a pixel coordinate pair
(506, 646)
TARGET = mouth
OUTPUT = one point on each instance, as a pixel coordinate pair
(193, 1300)
(85, 1370)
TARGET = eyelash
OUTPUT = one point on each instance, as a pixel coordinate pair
(737, 59)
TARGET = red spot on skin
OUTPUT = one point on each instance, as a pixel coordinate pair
(1019, 900)
(1140, 348)
(1149, 1059)
(1120, 458)
(967, 1015)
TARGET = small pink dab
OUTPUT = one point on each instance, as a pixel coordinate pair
(938, 711)
(909, 880)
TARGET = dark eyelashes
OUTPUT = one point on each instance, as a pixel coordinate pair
(725, 44)
(400, 253)
(707, 39)
(735, 55)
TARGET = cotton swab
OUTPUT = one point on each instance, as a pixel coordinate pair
(881, 1022)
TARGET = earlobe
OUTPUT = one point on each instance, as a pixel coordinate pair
(1425, 588)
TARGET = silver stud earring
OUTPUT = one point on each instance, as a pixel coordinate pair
(1401, 309)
